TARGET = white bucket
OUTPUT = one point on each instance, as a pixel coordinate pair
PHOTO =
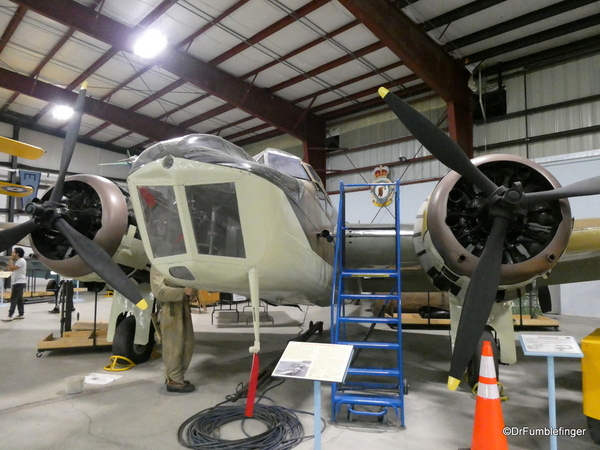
(74, 384)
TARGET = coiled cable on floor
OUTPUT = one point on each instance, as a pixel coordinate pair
(202, 430)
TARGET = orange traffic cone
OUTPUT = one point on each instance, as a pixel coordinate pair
(487, 429)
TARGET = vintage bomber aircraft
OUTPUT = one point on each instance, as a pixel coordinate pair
(211, 217)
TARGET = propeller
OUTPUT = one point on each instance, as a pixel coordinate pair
(591, 186)
(437, 142)
(504, 205)
(50, 215)
(10, 236)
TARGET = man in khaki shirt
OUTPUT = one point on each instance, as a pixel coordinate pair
(176, 329)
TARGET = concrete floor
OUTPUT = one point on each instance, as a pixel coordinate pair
(136, 412)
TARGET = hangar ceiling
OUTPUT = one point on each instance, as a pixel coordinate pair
(248, 70)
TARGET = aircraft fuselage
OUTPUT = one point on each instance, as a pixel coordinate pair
(211, 213)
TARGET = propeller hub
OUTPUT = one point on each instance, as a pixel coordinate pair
(35, 209)
(460, 217)
(512, 197)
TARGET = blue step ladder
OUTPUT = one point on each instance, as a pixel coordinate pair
(369, 391)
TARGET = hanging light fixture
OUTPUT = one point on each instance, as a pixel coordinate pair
(150, 44)
(62, 112)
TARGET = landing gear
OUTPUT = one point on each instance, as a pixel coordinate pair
(123, 344)
(473, 367)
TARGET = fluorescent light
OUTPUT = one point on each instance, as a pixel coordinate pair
(150, 44)
(62, 112)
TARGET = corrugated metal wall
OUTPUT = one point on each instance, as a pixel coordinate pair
(395, 144)
(285, 142)
(550, 111)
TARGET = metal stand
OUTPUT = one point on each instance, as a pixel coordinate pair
(66, 304)
(551, 347)
(317, 395)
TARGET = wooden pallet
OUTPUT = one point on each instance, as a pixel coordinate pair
(29, 294)
(415, 320)
(539, 321)
(80, 336)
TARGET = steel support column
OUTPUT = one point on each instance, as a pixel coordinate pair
(446, 76)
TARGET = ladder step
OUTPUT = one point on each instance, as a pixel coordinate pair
(366, 273)
(369, 297)
(374, 400)
(363, 387)
(372, 345)
(382, 320)
(374, 371)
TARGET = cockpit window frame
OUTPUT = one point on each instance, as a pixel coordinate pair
(273, 158)
(162, 219)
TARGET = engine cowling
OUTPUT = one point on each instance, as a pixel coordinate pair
(453, 226)
(98, 209)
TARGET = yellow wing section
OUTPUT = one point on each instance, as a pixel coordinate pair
(581, 260)
(20, 149)
(15, 190)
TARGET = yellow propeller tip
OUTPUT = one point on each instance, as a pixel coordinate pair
(383, 92)
(142, 304)
(453, 383)
(84, 85)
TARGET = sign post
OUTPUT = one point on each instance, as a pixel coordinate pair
(551, 347)
(317, 362)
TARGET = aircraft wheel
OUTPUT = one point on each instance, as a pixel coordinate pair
(51, 285)
(123, 342)
(473, 367)
(594, 427)
(544, 299)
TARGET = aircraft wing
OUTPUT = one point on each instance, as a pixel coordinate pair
(375, 243)
(373, 246)
(20, 149)
(581, 260)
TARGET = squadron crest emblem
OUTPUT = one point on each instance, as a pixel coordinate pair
(384, 194)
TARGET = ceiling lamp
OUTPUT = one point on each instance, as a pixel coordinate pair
(62, 112)
(150, 44)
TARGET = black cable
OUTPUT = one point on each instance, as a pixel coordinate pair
(284, 430)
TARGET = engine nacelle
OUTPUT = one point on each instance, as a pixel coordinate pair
(453, 225)
(98, 209)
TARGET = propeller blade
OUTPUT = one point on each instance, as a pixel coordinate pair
(69, 145)
(591, 186)
(479, 301)
(10, 236)
(99, 261)
(437, 142)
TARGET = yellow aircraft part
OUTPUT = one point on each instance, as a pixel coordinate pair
(20, 149)
(119, 364)
(585, 236)
(15, 190)
(142, 304)
(590, 367)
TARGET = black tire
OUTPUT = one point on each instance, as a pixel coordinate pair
(123, 342)
(544, 299)
(473, 367)
(51, 286)
(594, 427)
